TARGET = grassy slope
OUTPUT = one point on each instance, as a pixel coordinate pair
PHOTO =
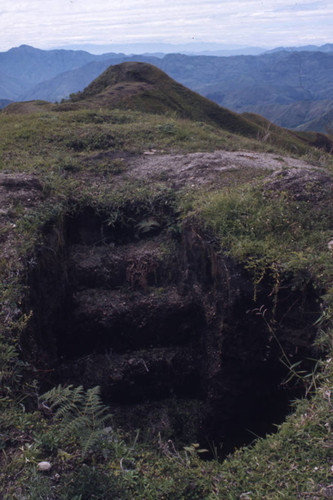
(141, 86)
(145, 87)
(267, 84)
(321, 122)
(57, 146)
(308, 138)
(161, 94)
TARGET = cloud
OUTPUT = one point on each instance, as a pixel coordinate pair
(47, 24)
(299, 7)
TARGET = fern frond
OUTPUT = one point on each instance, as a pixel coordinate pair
(92, 439)
(77, 426)
(78, 395)
(55, 395)
(63, 412)
(93, 402)
(81, 413)
(106, 419)
(67, 400)
(58, 395)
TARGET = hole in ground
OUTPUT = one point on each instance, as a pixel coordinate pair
(168, 329)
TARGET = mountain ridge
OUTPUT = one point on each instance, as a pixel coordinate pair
(145, 88)
(142, 86)
(276, 84)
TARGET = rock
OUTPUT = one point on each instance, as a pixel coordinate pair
(44, 466)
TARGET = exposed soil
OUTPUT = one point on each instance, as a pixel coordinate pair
(197, 169)
(302, 184)
(205, 168)
(21, 192)
(166, 325)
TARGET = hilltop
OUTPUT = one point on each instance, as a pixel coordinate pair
(144, 87)
(141, 86)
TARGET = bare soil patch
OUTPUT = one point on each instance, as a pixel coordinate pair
(200, 169)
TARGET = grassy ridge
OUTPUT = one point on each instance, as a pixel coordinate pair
(161, 94)
(141, 86)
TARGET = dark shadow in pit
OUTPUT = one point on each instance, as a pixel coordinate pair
(168, 329)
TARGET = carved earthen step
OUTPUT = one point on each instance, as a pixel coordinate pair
(139, 375)
(122, 321)
(136, 265)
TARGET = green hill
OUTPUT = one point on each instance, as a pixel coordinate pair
(143, 87)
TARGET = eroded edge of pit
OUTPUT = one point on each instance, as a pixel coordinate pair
(238, 355)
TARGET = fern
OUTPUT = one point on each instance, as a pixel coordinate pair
(11, 368)
(81, 413)
(147, 225)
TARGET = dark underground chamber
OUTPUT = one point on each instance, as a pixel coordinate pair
(168, 328)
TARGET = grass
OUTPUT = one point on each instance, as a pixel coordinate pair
(254, 226)
(67, 139)
(268, 232)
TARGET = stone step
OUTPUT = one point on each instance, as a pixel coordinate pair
(123, 321)
(149, 374)
(137, 265)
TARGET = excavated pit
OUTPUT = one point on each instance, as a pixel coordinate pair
(167, 327)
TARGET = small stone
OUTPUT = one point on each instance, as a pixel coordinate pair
(44, 466)
(246, 495)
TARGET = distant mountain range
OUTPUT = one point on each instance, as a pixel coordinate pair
(145, 88)
(328, 47)
(194, 48)
(160, 49)
(292, 87)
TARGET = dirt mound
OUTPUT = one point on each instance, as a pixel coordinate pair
(198, 169)
(311, 185)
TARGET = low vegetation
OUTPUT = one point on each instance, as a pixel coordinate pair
(262, 222)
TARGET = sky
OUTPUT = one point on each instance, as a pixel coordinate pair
(48, 24)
